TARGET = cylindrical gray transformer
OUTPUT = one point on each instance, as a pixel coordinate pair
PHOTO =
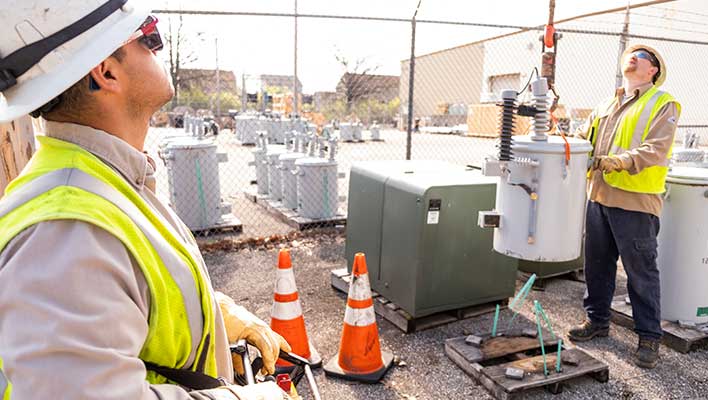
(193, 179)
(275, 189)
(317, 195)
(288, 178)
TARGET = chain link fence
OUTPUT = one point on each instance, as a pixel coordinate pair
(277, 172)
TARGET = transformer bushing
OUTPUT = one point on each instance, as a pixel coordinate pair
(541, 119)
(507, 124)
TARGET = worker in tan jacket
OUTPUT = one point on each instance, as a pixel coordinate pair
(103, 291)
(632, 134)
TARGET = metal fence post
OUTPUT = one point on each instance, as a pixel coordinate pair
(411, 77)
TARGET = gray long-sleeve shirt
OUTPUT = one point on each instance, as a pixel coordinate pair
(74, 304)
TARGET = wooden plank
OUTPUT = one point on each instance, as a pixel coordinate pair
(337, 280)
(481, 309)
(16, 148)
(497, 347)
(229, 222)
(493, 378)
(535, 377)
(680, 339)
(290, 217)
(431, 321)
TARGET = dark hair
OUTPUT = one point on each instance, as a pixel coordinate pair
(73, 99)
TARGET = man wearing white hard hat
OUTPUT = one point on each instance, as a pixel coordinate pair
(632, 135)
(103, 291)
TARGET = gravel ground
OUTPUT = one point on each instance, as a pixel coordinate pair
(248, 274)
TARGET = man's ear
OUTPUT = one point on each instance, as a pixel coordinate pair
(107, 75)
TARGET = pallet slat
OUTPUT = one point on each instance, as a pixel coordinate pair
(229, 223)
(490, 369)
(291, 217)
(340, 278)
(680, 339)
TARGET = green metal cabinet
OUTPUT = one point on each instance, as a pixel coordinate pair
(416, 221)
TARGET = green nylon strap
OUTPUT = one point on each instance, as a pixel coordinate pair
(54, 154)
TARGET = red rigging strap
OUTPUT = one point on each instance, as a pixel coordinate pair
(549, 36)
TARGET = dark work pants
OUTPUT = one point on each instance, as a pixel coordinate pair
(611, 233)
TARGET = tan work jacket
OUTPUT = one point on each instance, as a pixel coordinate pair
(74, 304)
(653, 151)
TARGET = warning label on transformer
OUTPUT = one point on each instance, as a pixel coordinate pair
(434, 211)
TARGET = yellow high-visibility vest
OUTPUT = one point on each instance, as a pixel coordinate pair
(64, 181)
(631, 132)
(5, 385)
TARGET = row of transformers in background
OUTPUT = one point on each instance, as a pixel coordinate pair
(247, 127)
(300, 174)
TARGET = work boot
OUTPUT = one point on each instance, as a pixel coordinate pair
(647, 354)
(586, 331)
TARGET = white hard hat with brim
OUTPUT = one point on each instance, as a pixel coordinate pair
(29, 22)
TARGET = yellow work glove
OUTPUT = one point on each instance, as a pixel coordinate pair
(241, 324)
(260, 391)
(608, 164)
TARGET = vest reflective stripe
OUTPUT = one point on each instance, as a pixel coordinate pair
(638, 132)
(5, 386)
(55, 155)
(174, 265)
(630, 132)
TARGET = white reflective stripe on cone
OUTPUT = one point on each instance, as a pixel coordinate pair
(286, 311)
(285, 281)
(359, 316)
(359, 289)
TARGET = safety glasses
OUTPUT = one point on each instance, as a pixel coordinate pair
(148, 35)
(643, 54)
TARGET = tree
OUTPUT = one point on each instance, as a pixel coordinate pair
(179, 52)
(356, 83)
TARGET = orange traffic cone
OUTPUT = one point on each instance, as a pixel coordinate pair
(360, 357)
(286, 315)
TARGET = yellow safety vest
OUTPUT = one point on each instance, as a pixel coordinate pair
(71, 183)
(631, 132)
(5, 385)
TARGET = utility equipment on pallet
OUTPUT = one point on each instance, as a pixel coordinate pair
(416, 221)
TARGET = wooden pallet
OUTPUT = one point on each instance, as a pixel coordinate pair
(488, 363)
(676, 337)
(340, 279)
(228, 223)
(290, 217)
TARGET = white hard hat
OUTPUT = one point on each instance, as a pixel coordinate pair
(49, 45)
(659, 59)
